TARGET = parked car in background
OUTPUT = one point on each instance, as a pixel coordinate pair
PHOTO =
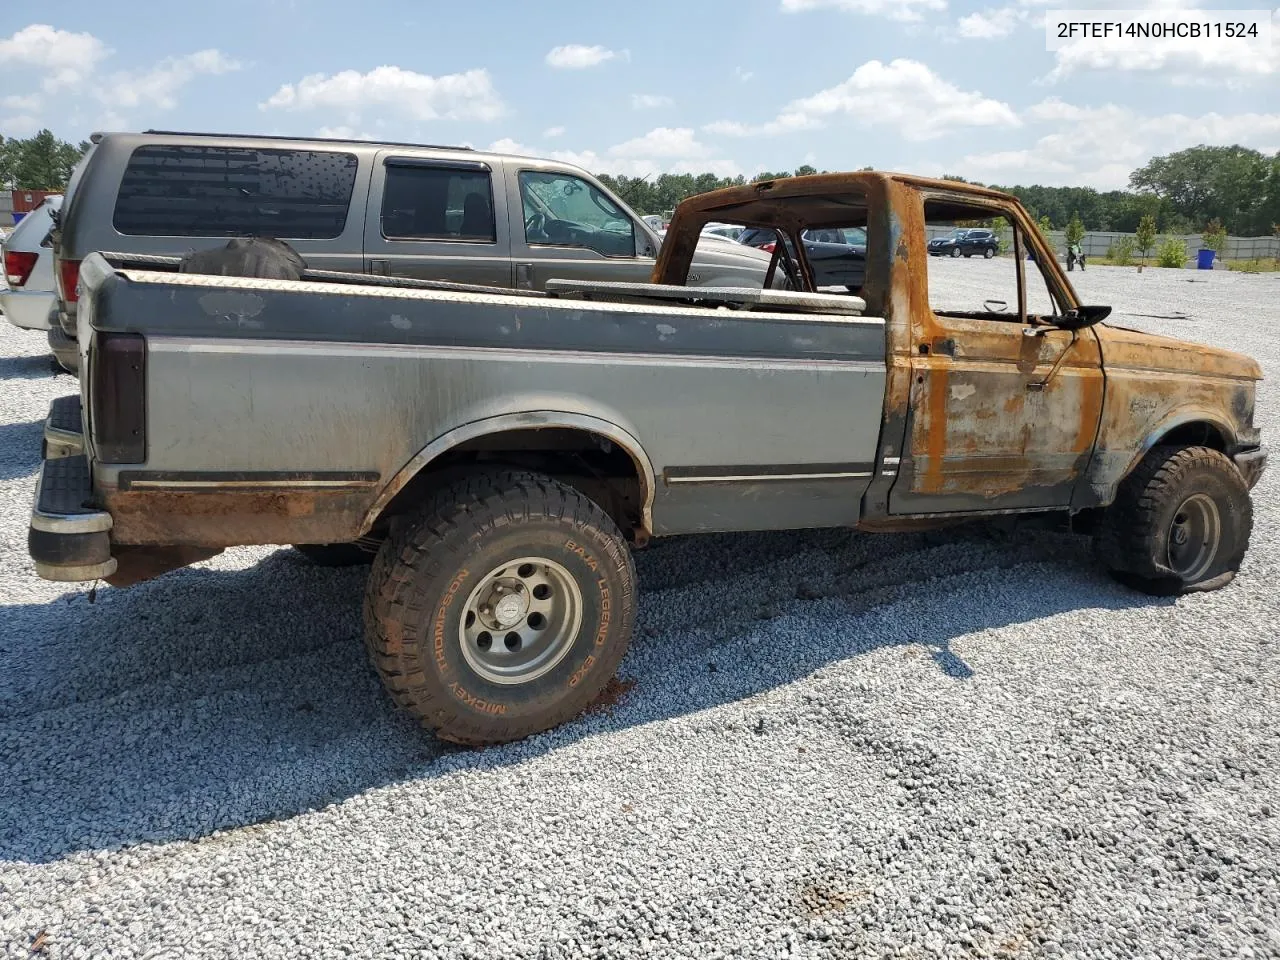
(731, 230)
(389, 209)
(838, 255)
(965, 243)
(28, 267)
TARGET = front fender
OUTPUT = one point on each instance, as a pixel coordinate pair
(1109, 466)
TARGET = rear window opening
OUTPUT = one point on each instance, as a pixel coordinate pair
(213, 191)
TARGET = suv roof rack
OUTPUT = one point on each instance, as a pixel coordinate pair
(268, 136)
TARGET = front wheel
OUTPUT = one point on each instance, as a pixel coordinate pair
(988, 253)
(955, 251)
(1180, 522)
(501, 609)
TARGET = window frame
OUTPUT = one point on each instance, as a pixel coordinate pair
(996, 211)
(523, 172)
(462, 166)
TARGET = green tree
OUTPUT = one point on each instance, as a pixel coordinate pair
(1075, 229)
(1214, 236)
(1146, 235)
(1045, 225)
(42, 162)
(766, 175)
(805, 170)
(1203, 182)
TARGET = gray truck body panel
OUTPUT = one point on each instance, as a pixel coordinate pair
(779, 413)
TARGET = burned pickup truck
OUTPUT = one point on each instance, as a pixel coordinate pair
(498, 454)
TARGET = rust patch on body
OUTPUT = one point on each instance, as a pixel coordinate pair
(232, 518)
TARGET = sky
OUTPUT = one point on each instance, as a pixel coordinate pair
(727, 86)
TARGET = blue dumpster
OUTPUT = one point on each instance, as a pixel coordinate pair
(17, 218)
(1204, 259)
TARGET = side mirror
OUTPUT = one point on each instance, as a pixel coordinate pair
(1084, 316)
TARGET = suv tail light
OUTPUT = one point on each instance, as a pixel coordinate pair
(118, 397)
(69, 278)
(18, 265)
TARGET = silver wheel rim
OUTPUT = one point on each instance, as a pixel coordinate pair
(520, 620)
(1194, 535)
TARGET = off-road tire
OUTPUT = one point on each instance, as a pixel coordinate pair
(1134, 537)
(433, 559)
(336, 554)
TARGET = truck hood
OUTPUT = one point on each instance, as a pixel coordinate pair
(1124, 347)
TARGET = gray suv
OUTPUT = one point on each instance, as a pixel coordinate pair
(427, 212)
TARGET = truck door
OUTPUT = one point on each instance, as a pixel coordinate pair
(1004, 407)
(564, 227)
(437, 219)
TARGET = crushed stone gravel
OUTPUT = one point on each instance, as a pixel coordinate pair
(959, 744)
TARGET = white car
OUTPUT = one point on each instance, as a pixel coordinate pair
(28, 268)
(730, 231)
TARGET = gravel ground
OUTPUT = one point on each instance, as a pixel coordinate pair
(960, 744)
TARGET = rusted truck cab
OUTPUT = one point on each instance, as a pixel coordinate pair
(1026, 403)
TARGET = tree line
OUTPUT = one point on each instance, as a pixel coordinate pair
(1182, 192)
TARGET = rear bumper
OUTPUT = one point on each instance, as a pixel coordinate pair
(69, 539)
(29, 309)
(63, 430)
(1251, 463)
(64, 349)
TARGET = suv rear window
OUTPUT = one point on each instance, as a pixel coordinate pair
(207, 191)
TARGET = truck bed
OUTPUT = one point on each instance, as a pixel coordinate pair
(335, 387)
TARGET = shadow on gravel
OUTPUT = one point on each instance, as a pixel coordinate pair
(26, 368)
(214, 699)
(20, 448)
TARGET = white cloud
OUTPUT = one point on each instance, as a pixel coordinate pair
(343, 133)
(1101, 146)
(662, 142)
(576, 56)
(904, 94)
(16, 102)
(1189, 61)
(893, 9)
(649, 101)
(988, 24)
(552, 132)
(662, 150)
(456, 96)
(20, 125)
(64, 59)
(743, 75)
(160, 85)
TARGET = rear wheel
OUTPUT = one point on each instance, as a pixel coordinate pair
(1180, 522)
(500, 609)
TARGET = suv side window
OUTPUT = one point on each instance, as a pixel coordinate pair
(430, 202)
(219, 191)
(562, 210)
